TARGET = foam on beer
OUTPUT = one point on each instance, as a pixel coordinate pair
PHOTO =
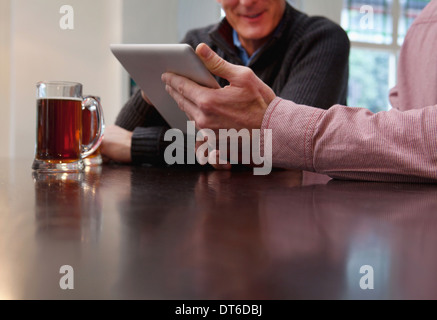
(61, 98)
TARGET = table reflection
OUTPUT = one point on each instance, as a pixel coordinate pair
(227, 243)
(177, 233)
(332, 230)
(277, 239)
(156, 215)
(68, 205)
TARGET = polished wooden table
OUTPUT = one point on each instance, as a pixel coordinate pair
(196, 234)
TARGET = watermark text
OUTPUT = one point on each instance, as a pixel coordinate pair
(235, 147)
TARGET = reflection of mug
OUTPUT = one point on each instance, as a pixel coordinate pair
(89, 130)
(59, 127)
(68, 204)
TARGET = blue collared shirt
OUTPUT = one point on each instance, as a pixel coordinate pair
(242, 53)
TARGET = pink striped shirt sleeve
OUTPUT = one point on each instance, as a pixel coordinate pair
(354, 143)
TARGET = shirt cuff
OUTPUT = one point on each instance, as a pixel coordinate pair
(292, 127)
(148, 145)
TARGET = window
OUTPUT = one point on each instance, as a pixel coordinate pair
(377, 29)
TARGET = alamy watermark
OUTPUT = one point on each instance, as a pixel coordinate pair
(67, 280)
(367, 280)
(67, 20)
(367, 21)
(235, 147)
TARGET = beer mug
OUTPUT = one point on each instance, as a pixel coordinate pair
(59, 127)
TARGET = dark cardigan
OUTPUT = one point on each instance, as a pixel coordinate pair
(306, 61)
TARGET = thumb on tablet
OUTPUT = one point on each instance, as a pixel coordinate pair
(215, 64)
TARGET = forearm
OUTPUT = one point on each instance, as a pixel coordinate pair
(353, 143)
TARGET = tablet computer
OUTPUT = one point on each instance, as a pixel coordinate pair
(145, 63)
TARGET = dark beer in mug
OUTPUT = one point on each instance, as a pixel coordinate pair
(59, 129)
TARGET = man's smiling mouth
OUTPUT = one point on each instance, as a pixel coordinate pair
(252, 16)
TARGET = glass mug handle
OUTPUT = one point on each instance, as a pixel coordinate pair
(93, 105)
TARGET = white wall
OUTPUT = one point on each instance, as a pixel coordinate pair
(150, 21)
(195, 14)
(327, 8)
(5, 7)
(158, 21)
(41, 50)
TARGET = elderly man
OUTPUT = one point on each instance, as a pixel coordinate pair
(301, 58)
